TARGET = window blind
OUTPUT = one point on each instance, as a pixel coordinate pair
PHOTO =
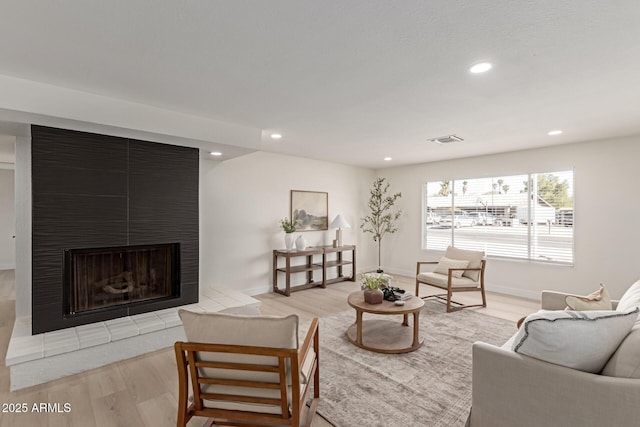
(528, 216)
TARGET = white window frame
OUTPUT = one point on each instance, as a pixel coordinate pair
(533, 230)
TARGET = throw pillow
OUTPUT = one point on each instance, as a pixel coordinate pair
(631, 298)
(625, 362)
(597, 300)
(582, 340)
(474, 257)
(445, 264)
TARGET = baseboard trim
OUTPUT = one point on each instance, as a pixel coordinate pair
(257, 290)
(7, 266)
(522, 293)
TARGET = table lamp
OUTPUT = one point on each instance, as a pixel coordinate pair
(339, 222)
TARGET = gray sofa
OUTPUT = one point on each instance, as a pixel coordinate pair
(511, 389)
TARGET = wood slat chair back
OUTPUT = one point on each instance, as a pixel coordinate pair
(258, 391)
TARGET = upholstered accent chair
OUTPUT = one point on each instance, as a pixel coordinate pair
(459, 270)
(247, 370)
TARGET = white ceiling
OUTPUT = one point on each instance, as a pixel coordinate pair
(349, 81)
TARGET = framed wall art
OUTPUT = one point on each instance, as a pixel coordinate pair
(310, 210)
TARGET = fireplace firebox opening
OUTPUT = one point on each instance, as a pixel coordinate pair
(103, 278)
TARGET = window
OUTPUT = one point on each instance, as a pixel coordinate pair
(521, 216)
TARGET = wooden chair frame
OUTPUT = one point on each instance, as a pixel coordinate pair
(188, 364)
(450, 289)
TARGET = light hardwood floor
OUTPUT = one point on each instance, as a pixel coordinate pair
(142, 391)
(7, 284)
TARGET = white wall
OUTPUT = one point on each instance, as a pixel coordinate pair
(242, 201)
(7, 220)
(23, 226)
(607, 208)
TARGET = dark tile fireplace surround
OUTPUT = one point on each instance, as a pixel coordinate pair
(114, 227)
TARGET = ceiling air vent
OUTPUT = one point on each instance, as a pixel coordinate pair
(446, 139)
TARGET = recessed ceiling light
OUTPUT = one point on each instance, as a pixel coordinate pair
(215, 153)
(554, 132)
(387, 159)
(276, 135)
(480, 68)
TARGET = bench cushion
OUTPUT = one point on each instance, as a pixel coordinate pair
(440, 280)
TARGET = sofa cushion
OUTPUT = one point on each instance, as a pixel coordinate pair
(625, 362)
(630, 299)
(474, 258)
(441, 280)
(582, 340)
(597, 300)
(446, 263)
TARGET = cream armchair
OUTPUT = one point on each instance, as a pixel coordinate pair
(459, 270)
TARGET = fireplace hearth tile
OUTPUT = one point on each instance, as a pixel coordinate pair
(196, 308)
(97, 344)
(213, 291)
(170, 317)
(226, 298)
(223, 300)
(148, 322)
(22, 327)
(208, 305)
(62, 341)
(219, 294)
(122, 328)
(93, 334)
(242, 300)
(24, 348)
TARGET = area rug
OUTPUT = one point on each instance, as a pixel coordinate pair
(428, 387)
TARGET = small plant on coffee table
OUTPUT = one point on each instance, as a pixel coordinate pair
(371, 283)
(373, 280)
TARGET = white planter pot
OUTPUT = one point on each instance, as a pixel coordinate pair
(288, 241)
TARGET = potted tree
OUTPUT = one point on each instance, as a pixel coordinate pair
(381, 219)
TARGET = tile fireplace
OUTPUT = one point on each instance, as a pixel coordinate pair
(115, 227)
(100, 278)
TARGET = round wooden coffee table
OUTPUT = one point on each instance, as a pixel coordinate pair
(385, 336)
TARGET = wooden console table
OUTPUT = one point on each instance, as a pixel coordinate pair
(312, 265)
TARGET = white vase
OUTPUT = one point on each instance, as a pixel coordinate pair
(288, 241)
(301, 243)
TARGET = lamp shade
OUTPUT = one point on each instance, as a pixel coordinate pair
(339, 222)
